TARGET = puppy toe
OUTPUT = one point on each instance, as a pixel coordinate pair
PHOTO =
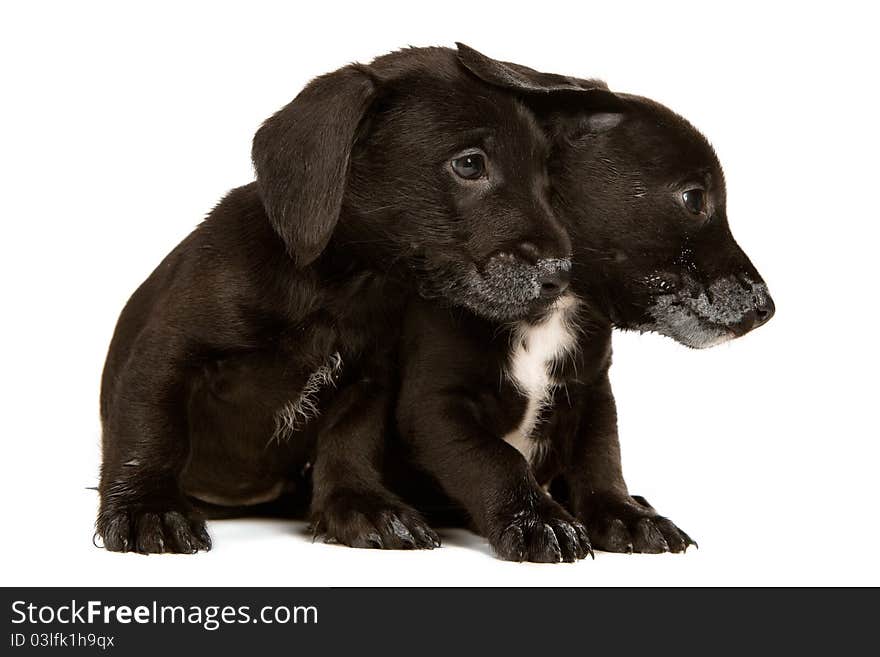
(647, 538)
(199, 535)
(365, 540)
(584, 542)
(613, 536)
(566, 540)
(544, 546)
(676, 539)
(179, 532)
(511, 544)
(115, 531)
(184, 535)
(426, 538)
(351, 528)
(395, 534)
(150, 538)
(572, 539)
(413, 531)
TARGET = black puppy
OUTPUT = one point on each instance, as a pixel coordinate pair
(494, 413)
(284, 303)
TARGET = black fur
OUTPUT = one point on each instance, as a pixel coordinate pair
(292, 290)
(642, 261)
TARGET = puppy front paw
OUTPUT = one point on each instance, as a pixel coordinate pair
(370, 520)
(152, 531)
(540, 531)
(629, 524)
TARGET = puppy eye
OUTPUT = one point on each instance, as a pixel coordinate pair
(694, 200)
(470, 166)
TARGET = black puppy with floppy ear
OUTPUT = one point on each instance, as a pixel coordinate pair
(271, 326)
(227, 300)
(301, 156)
(493, 414)
(642, 193)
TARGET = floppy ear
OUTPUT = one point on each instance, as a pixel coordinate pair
(592, 99)
(521, 78)
(301, 156)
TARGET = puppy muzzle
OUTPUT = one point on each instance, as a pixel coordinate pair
(509, 287)
(511, 280)
(702, 316)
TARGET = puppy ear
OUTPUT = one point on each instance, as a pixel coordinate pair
(301, 156)
(521, 78)
(603, 108)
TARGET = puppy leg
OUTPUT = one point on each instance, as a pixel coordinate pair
(616, 520)
(491, 480)
(350, 504)
(145, 448)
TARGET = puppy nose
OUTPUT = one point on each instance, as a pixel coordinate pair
(764, 310)
(760, 314)
(554, 282)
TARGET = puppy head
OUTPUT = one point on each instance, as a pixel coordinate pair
(411, 161)
(643, 196)
(647, 200)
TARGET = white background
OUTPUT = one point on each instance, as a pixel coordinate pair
(122, 128)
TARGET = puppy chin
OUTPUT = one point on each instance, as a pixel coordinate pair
(491, 309)
(689, 331)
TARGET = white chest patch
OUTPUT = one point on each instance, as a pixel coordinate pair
(535, 350)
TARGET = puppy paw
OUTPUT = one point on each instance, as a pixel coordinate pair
(368, 520)
(542, 532)
(152, 532)
(630, 524)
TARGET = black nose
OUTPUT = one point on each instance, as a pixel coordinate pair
(554, 283)
(764, 310)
